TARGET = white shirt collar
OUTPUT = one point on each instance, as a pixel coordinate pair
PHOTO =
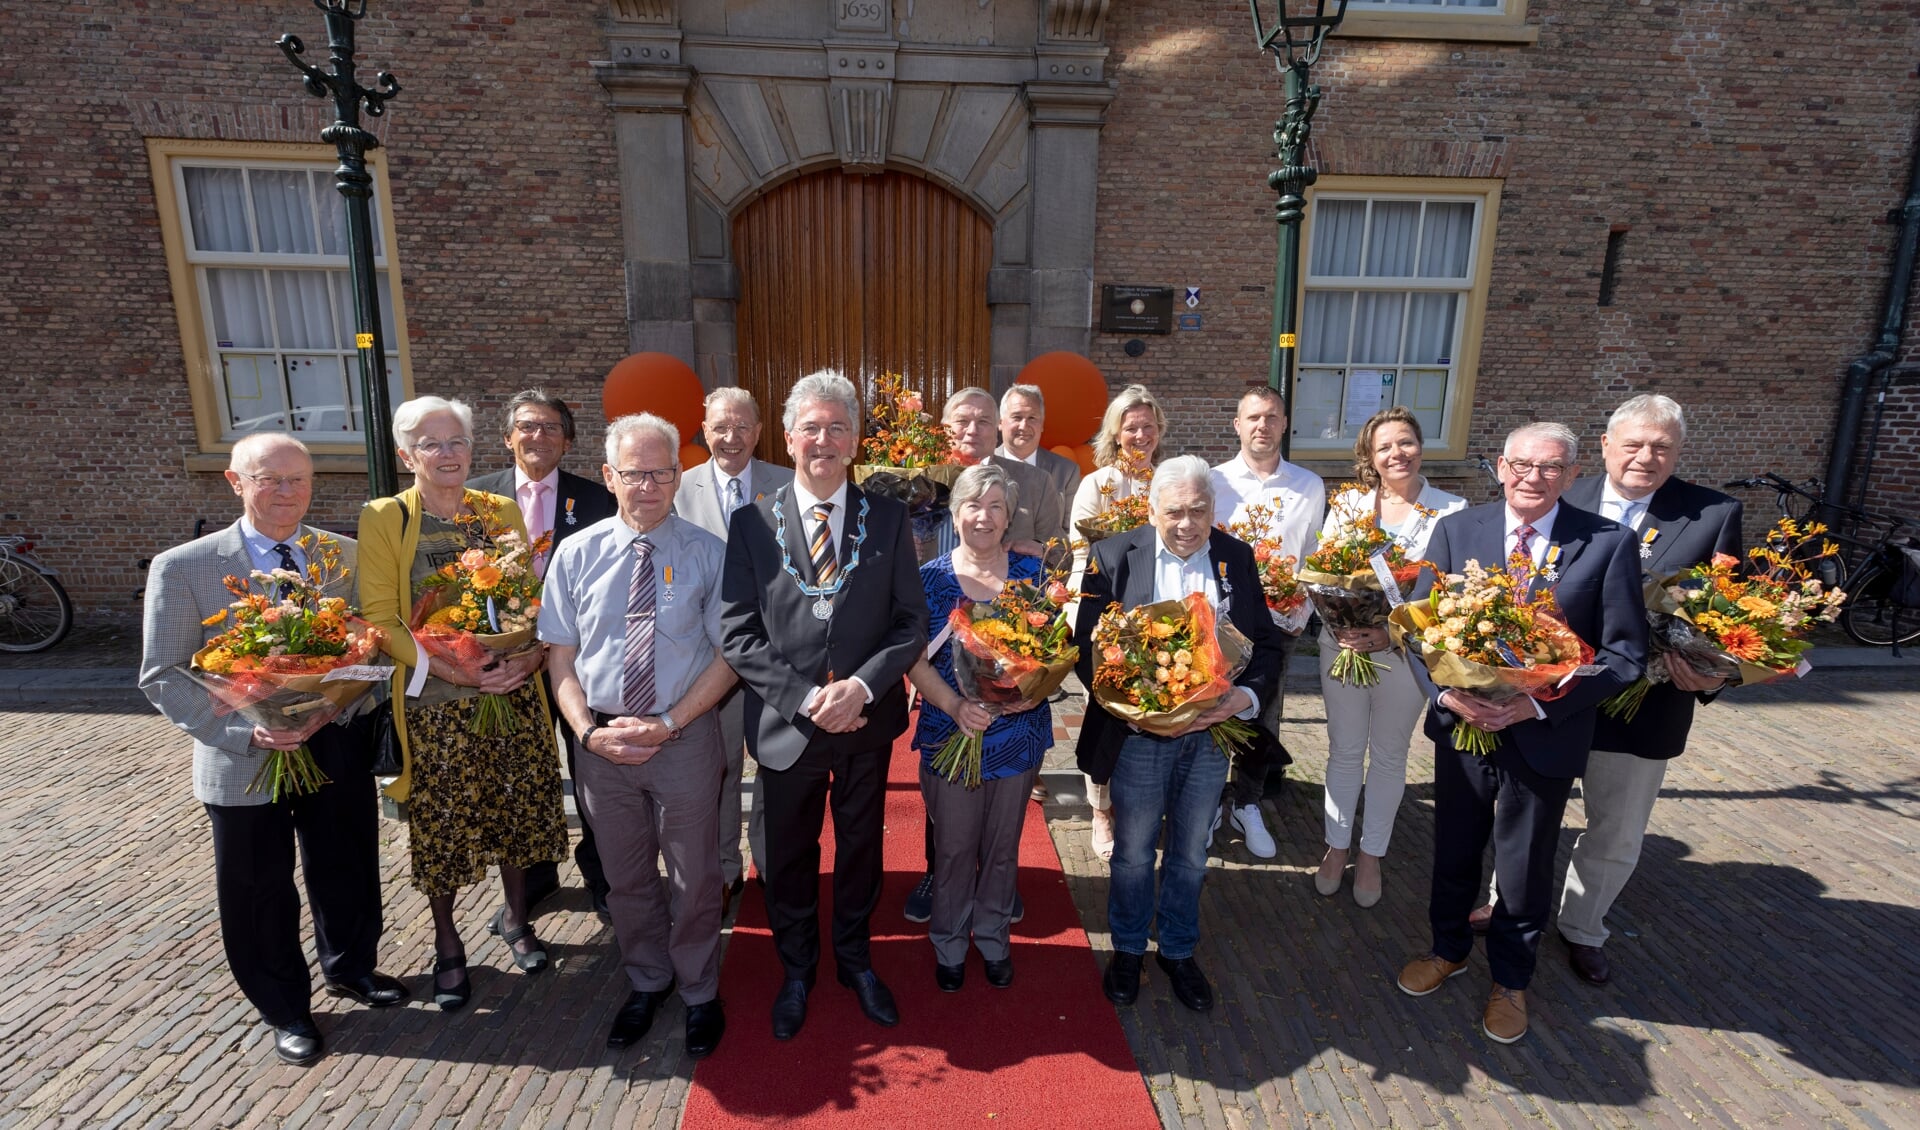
(720, 478)
(1609, 495)
(1542, 526)
(551, 482)
(808, 501)
(260, 546)
(1031, 460)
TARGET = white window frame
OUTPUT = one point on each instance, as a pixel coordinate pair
(1411, 19)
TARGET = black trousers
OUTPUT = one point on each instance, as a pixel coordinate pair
(586, 853)
(253, 848)
(1502, 797)
(1247, 779)
(796, 799)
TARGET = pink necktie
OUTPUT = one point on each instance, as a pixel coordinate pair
(1523, 543)
(539, 522)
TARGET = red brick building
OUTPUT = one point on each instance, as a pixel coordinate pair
(942, 187)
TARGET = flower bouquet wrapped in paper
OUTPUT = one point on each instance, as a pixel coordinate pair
(909, 458)
(1161, 665)
(292, 657)
(1121, 512)
(1488, 633)
(1344, 579)
(480, 609)
(1277, 568)
(1744, 626)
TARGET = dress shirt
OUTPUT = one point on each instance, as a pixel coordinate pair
(1174, 577)
(1298, 493)
(1032, 460)
(1542, 533)
(837, 525)
(721, 479)
(1630, 512)
(584, 606)
(539, 517)
(260, 548)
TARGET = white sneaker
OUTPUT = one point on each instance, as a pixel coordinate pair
(1259, 840)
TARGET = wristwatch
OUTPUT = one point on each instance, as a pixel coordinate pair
(666, 720)
(586, 736)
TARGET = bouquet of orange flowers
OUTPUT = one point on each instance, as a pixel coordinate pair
(1163, 664)
(909, 458)
(1342, 578)
(1489, 633)
(1285, 599)
(1017, 648)
(1744, 628)
(480, 609)
(291, 654)
(1121, 512)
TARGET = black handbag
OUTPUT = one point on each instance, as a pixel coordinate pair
(386, 741)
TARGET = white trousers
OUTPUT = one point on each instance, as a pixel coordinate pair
(1619, 790)
(1368, 732)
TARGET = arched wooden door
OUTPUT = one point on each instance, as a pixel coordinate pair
(864, 274)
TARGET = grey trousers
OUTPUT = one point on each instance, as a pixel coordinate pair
(976, 843)
(666, 807)
(733, 738)
(1618, 790)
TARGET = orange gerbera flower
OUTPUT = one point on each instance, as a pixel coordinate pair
(1742, 642)
(486, 577)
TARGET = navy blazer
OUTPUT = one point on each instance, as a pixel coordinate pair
(1599, 593)
(771, 639)
(581, 503)
(1120, 571)
(1693, 523)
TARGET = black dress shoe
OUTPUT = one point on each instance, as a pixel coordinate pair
(1000, 973)
(1189, 984)
(949, 978)
(706, 1023)
(1122, 980)
(375, 990)
(630, 1024)
(876, 1000)
(1590, 962)
(790, 1010)
(298, 1043)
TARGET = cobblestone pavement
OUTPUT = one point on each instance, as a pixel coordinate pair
(1763, 973)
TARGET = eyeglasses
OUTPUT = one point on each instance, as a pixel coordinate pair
(661, 476)
(813, 432)
(279, 482)
(434, 449)
(1524, 467)
(731, 430)
(538, 428)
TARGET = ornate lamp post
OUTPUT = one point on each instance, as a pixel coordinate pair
(1299, 29)
(356, 184)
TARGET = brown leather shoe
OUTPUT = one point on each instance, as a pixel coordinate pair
(1481, 918)
(1505, 1020)
(1428, 972)
(1590, 962)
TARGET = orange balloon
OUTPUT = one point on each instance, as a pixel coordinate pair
(692, 455)
(1075, 392)
(1064, 450)
(1083, 455)
(659, 383)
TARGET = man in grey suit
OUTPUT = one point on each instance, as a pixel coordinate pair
(972, 420)
(1023, 417)
(823, 613)
(539, 433)
(708, 496)
(253, 837)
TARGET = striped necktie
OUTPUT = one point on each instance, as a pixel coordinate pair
(287, 563)
(636, 671)
(826, 565)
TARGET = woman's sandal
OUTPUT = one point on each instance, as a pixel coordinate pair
(532, 961)
(450, 999)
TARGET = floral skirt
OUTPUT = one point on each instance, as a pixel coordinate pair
(482, 801)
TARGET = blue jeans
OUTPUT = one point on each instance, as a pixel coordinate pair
(1177, 780)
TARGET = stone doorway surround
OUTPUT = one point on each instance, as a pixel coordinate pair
(715, 101)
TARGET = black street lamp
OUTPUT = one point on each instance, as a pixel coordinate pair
(356, 184)
(1300, 28)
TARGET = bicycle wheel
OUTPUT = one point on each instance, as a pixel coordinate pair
(1872, 616)
(35, 613)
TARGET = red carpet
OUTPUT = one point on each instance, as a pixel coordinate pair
(1047, 1052)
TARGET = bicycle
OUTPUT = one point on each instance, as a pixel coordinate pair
(1881, 608)
(35, 612)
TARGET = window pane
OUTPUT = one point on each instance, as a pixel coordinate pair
(343, 308)
(1376, 339)
(1430, 329)
(1316, 404)
(1424, 391)
(239, 301)
(1326, 320)
(1447, 241)
(353, 387)
(256, 395)
(1338, 227)
(332, 209)
(1391, 238)
(1417, 5)
(387, 334)
(301, 310)
(217, 208)
(318, 390)
(283, 212)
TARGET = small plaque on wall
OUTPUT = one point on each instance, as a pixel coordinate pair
(1136, 309)
(860, 15)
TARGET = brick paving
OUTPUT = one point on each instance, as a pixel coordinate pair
(1762, 965)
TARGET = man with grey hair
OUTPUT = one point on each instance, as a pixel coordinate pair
(823, 616)
(972, 420)
(708, 496)
(1023, 418)
(336, 825)
(1518, 793)
(1168, 783)
(631, 610)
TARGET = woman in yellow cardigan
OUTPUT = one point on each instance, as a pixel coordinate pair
(471, 801)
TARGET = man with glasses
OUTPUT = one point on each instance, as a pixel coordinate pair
(824, 614)
(253, 840)
(1518, 793)
(708, 496)
(632, 613)
(539, 431)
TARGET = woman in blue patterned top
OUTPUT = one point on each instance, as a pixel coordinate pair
(976, 832)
